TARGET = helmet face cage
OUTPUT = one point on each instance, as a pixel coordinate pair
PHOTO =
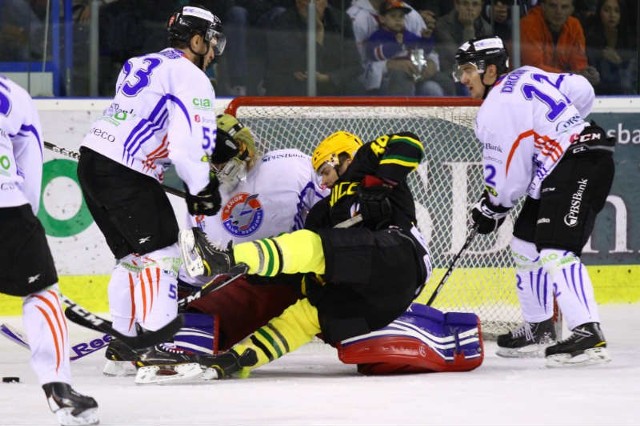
(480, 53)
(231, 173)
(214, 32)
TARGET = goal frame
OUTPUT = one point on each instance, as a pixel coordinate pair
(328, 101)
(481, 277)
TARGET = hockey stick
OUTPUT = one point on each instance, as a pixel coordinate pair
(14, 335)
(470, 237)
(81, 316)
(79, 350)
(210, 287)
(76, 156)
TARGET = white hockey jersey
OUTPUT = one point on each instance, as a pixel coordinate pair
(525, 125)
(21, 147)
(274, 198)
(162, 113)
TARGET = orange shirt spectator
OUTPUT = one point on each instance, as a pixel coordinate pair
(554, 41)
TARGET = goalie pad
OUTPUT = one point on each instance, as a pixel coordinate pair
(421, 340)
(199, 334)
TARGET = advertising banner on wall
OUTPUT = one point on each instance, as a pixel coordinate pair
(73, 235)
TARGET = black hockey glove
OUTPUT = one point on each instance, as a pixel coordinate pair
(375, 207)
(208, 201)
(486, 217)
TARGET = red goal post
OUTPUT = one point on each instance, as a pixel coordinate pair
(445, 185)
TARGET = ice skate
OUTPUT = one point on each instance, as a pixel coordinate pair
(166, 363)
(224, 365)
(120, 360)
(70, 407)
(528, 340)
(202, 257)
(585, 346)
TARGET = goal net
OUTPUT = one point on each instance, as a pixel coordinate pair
(445, 185)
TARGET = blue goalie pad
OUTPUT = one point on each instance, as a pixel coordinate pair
(199, 333)
(423, 339)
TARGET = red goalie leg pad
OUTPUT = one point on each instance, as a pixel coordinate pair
(402, 355)
(421, 340)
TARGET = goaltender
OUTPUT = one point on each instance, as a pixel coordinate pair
(357, 279)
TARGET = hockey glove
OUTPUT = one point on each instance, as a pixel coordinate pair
(208, 201)
(592, 137)
(486, 217)
(375, 207)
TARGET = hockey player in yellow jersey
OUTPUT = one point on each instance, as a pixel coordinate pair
(357, 279)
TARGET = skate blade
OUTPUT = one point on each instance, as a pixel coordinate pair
(530, 351)
(119, 368)
(593, 356)
(87, 417)
(168, 374)
(191, 260)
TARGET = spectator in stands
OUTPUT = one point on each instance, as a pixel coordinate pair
(337, 60)
(21, 32)
(554, 41)
(430, 11)
(393, 42)
(585, 10)
(463, 23)
(364, 15)
(498, 14)
(611, 48)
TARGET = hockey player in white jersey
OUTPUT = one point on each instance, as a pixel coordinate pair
(263, 195)
(162, 114)
(27, 269)
(536, 143)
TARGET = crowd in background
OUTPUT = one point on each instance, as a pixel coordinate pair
(363, 47)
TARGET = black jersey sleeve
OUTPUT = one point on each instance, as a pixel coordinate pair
(399, 155)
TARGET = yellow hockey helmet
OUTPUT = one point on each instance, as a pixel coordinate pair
(335, 144)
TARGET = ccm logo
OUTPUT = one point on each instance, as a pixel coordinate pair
(103, 135)
(586, 137)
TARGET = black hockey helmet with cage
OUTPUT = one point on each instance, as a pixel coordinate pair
(195, 19)
(481, 52)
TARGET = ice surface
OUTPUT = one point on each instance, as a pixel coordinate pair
(311, 387)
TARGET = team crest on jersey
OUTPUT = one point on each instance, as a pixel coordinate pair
(243, 214)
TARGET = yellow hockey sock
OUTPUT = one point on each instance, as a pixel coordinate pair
(293, 328)
(299, 251)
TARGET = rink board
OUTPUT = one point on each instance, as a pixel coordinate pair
(612, 284)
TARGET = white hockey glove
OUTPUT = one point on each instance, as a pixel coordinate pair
(486, 217)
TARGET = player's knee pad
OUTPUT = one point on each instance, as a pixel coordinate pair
(200, 333)
(525, 255)
(421, 340)
(554, 260)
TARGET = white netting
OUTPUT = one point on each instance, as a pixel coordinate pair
(445, 186)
